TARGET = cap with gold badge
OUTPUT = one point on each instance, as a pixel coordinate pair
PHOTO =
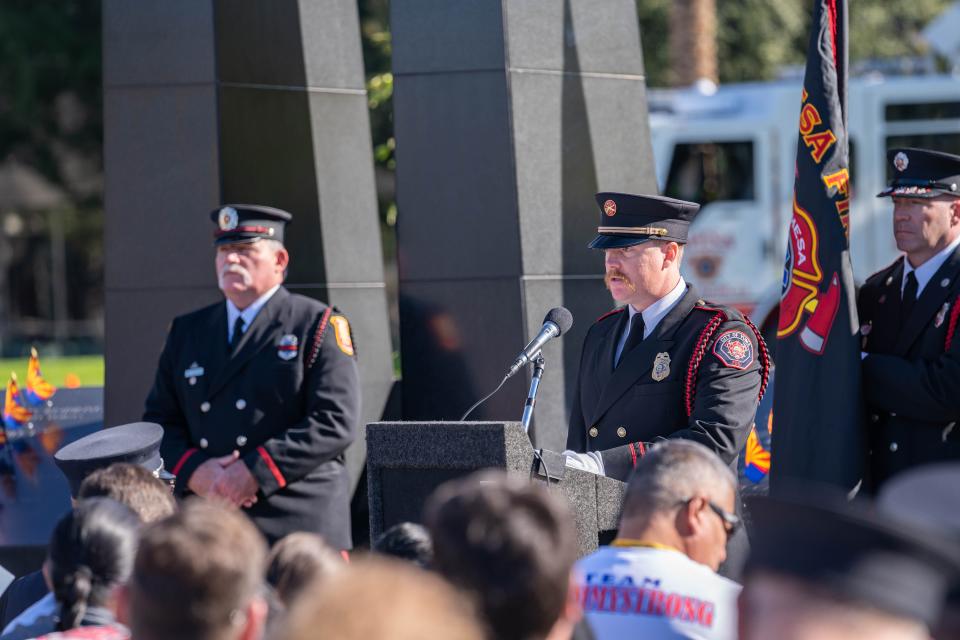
(921, 173)
(626, 220)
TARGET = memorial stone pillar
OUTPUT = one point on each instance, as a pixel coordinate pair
(247, 101)
(509, 115)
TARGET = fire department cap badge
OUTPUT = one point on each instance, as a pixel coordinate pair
(901, 161)
(288, 347)
(661, 366)
(610, 208)
(734, 349)
(228, 219)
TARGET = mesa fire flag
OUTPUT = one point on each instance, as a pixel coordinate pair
(816, 433)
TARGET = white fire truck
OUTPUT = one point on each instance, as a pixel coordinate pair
(733, 149)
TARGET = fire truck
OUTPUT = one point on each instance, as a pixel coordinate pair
(733, 149)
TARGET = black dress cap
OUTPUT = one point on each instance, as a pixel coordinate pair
(135, 443)
(248, 222)
(627, 220)
(850, 551)
(921, 173)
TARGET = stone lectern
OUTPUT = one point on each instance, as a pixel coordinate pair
(406, 461)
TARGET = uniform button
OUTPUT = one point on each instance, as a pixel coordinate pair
(594, 432)
(621, 432)
(205, 407)
(893, 447)
(241, 404)
(874, 417)
(241, 440)
(203, 443)
(893, 415)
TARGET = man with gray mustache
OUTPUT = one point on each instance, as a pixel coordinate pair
(258, 395)
(666, 364)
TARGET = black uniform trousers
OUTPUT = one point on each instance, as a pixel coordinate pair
(911, 375)
(286, 396)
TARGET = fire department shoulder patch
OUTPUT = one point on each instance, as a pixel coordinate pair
(734, 349)
(341, 329)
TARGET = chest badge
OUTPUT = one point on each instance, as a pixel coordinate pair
(288, 347)
(193, 372)
(661, 366)
(941, 315)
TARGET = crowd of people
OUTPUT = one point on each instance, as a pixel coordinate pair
(497, 558)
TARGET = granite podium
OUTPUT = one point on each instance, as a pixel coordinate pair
(406, 461)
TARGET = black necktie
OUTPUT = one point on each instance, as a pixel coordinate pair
(237, 332)
(909, 296)
(635, 336)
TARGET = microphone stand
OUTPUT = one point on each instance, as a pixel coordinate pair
(538, 365)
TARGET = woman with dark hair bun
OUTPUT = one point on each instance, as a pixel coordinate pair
(91, 552)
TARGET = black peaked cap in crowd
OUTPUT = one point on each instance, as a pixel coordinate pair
(626, 220)
(851, 551)
(136, 443)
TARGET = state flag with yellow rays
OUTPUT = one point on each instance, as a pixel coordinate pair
(15, 414)
(38, 390)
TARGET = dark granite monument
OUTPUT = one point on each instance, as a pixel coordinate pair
(509, 116)
(407, 461)
(214, 101)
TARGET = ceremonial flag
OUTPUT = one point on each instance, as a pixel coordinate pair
(15, 414)
(38, 390)
(816, 424)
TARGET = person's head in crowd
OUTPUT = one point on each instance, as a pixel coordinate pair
(90, 554)
(299, 560)
(927, 496)
(383, 598)
(683, 496)
(510, 545)
(134, 486)
(198, 575)
(406, 541)
(136, 443)
(822, 568)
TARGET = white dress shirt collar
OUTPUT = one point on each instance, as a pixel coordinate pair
(653, 314)
(247, 314)
(927, 270)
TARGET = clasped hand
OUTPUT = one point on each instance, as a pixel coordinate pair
(225, 478)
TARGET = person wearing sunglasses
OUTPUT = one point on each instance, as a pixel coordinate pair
(658, 578)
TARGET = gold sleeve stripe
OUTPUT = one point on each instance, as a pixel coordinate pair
(640, 231)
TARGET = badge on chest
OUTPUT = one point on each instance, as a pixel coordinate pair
(288, 348)
(661, 366)
(193, 372)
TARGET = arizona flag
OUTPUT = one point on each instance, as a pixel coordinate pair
(15, 414)
(817, 437)
(38, 390)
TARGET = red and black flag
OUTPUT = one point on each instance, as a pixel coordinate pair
(816, 417)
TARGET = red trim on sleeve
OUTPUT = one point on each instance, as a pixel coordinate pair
(633, 454)
(952, 327)
(345, 555)
(182, 460)
(643, 449)
(272, 466)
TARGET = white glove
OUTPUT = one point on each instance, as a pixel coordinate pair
(590, 461)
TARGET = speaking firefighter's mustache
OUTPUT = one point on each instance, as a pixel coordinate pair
(618, 275)
(237, 269)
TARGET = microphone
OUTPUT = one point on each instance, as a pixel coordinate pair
(557, 322)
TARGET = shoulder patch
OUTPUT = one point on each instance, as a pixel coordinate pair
(610, 313)
(341, 330)
(734, 349)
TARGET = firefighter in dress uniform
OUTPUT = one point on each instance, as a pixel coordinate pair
(259, 395)
(667, 364)
(908, 315)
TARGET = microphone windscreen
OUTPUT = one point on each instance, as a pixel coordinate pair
(561, 317)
